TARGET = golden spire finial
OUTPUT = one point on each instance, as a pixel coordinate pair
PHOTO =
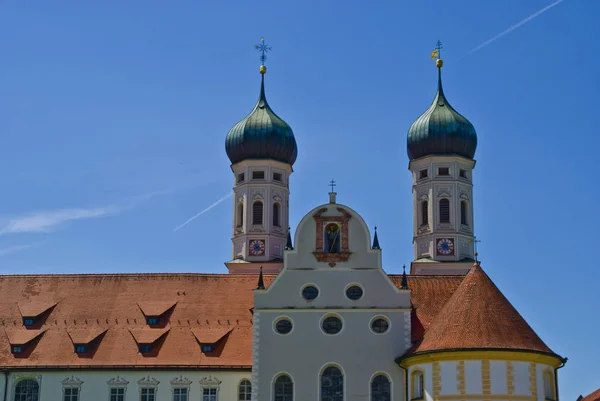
(263, 49)
(435, 55)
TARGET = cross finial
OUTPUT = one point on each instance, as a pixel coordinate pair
(438, 47)
(332, 184)
(475, 241)
(263, 48)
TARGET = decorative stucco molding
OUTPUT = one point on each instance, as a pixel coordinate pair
(117, 381)
(148, 382)
(181, 382)
(210, 381)
(72, 382)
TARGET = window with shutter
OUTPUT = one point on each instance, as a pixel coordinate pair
(257, 213)
(444, 211)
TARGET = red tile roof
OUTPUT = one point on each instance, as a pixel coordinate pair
(595, 396)
(202, 308)
(21, 336)
(478, 316)
(35, 307)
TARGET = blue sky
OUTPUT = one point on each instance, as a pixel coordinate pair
(113, 119)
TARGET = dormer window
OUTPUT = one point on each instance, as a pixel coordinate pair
(35, 312)
(28, 321)
(16, 349)
(156, 313)
(144, 348)
(152, 320)
(80, 349)
(258, 175)
(207, 348)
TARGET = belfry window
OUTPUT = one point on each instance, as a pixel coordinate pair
(276, 214)
(381, 389)
(424, 213)
(463, 213)
(258, 175)
(240, 215)
(444, 211)
(257, 213)
(27, 390)
(283, 389)
(332, 384)
(332, 238)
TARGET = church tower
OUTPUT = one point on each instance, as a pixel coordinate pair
(262, 150)
(441, 147)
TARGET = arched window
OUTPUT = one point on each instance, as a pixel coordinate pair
(332, 384)
(276, 215)
(444, 211)
(549, 386)
(381, 389)
(245, 390)
(240, 214)
(424, 213)
(257, 213)
(417, 384)
(463, 213)
(27, 390)
(283, 389)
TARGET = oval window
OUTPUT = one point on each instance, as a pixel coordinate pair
(380, 325)
(354, 292)
(283, 326)
(332, 325)
(310, 292)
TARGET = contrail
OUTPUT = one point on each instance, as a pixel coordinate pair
(202, 212)
(512, 28)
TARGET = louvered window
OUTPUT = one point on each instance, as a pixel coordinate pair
(257, 213)
(463, 213)
(444, 211)
(424, 213)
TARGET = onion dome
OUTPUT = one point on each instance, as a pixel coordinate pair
(262, 134)
(441, 130)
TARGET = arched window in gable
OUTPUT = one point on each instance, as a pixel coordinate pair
(283, 389)
(332, 384)
(27, 390)
(444, 211)
(276, 214)
(245, 390)
(257, 213)
(381, 389)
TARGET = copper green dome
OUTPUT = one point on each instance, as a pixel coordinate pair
(261, 135)
(441, 130)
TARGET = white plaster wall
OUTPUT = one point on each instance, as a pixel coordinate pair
(521, 383)
(473, 377)
(499, 376)
(95, 387)
(448, 378)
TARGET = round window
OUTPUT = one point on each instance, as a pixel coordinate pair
(354, 292)
(310, 292)
(283, 326)
(332, 325)
(380, 325)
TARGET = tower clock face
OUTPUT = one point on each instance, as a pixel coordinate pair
(445, 246)
(257, 247)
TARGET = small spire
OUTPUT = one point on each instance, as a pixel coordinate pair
(332, 194)
(261, 281)
(375, 240)
(263, 48)
(289, 245)
(404, 284)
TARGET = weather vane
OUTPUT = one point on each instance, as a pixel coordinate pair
(263, 48)
(475, 241)
(437, 51)
(332, 184)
